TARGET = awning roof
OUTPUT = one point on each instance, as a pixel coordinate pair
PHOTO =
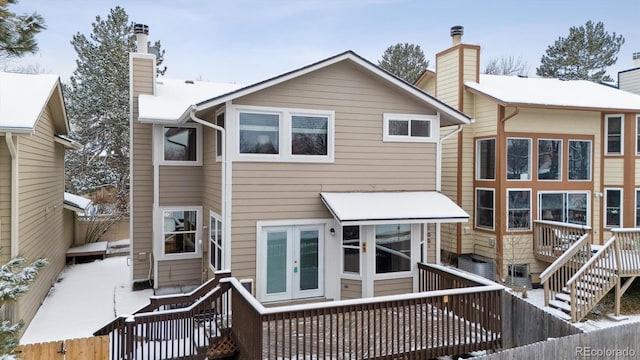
(369, 208)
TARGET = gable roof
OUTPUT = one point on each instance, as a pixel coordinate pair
(23, 99)
(448, 114)
(554, 93)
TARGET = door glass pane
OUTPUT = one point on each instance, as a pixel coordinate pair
(393, 248)
(276, 262)
(308, 260)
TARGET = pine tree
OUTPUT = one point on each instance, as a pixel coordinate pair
(97, 100)
(17, 32)
(406, 61)
(584, 54)
(15, 277)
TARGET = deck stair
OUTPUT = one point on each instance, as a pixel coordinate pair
(575, 283)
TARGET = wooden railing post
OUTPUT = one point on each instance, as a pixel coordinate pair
(129, 324)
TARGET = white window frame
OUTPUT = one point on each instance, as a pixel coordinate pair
(434, 131)
(217, 133)
(159, 229)
(284, 134)
(560, 159)
(223, 254)
(351, 275)
(530, 156)
(590, 159)
(606, 134)
(637, 134)
(530, 211)
(159, 145)
(566, 194)
(604, 207)
(478, 158)
(475, 214)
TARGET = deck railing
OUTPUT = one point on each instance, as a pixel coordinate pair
(181, 330)
(555, 277)
(421, 325)
(592, 282)
(628, 241)
(551, 239)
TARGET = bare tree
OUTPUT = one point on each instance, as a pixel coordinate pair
(507, 65)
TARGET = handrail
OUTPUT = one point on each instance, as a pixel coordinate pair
(625, 230)
(457, 272)
(563, 224)
(564, 258)
(156, 301)
(593, 259)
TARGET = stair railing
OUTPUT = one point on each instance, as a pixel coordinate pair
(555, 277)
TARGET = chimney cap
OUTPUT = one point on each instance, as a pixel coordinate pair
(141, 29)
(457, 30)
(636, 55)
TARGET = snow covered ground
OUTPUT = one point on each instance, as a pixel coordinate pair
(85, 298)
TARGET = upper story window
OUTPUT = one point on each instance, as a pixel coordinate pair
(486, 159)
(278, 134)
(410, 128)
(219, 122)
(180, 145)
(614, 135)
(549, 159)
(518, 159)
(579, 160)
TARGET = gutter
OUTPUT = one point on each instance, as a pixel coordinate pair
(13, 151)
(225, 183)
(439, 179)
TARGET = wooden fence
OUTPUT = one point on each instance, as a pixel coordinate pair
(92, 348)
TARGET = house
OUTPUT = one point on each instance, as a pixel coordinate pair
(321, 183)
(541, 153)
(33, 126)
(629, 80)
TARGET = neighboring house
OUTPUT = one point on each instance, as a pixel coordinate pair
(75, 206)
(318, 183)
(539, 149)
(629, 80)
(33, 125)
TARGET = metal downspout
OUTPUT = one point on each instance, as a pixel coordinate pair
(13, 151)
(223, 170)
(439, 182)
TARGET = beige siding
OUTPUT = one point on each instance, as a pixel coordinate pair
(448, 232)
(212, 172)
(280, 191)
(518, 249)
(430, 86)
(484, 244)
(350, 289)
(555, 122)
(141, 171)
(469, 73)
(637, 172)
(448, 78)
(466, 177)
(486, 117)
(630, 81)
(179, 272)
(392, 287)
(5, 200)
(41, 189)
(181, 185)
(613, 171)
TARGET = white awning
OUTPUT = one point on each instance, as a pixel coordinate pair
(370, 208)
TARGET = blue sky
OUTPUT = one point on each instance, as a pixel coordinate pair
(245, 41)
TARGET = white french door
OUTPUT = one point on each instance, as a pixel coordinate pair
(293, 262)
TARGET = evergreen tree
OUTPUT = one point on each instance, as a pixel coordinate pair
(406, 61)
(584, 54)
(15, 277)
(97, 100)
(17, 32)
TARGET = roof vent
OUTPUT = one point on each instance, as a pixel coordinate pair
(456, 34)
(636, 59)
(142, 33)
(188, 82)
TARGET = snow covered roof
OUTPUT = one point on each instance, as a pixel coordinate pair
(367, 208)
(173, 97)
(23, 97)
(514, 90)
(76, 203)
